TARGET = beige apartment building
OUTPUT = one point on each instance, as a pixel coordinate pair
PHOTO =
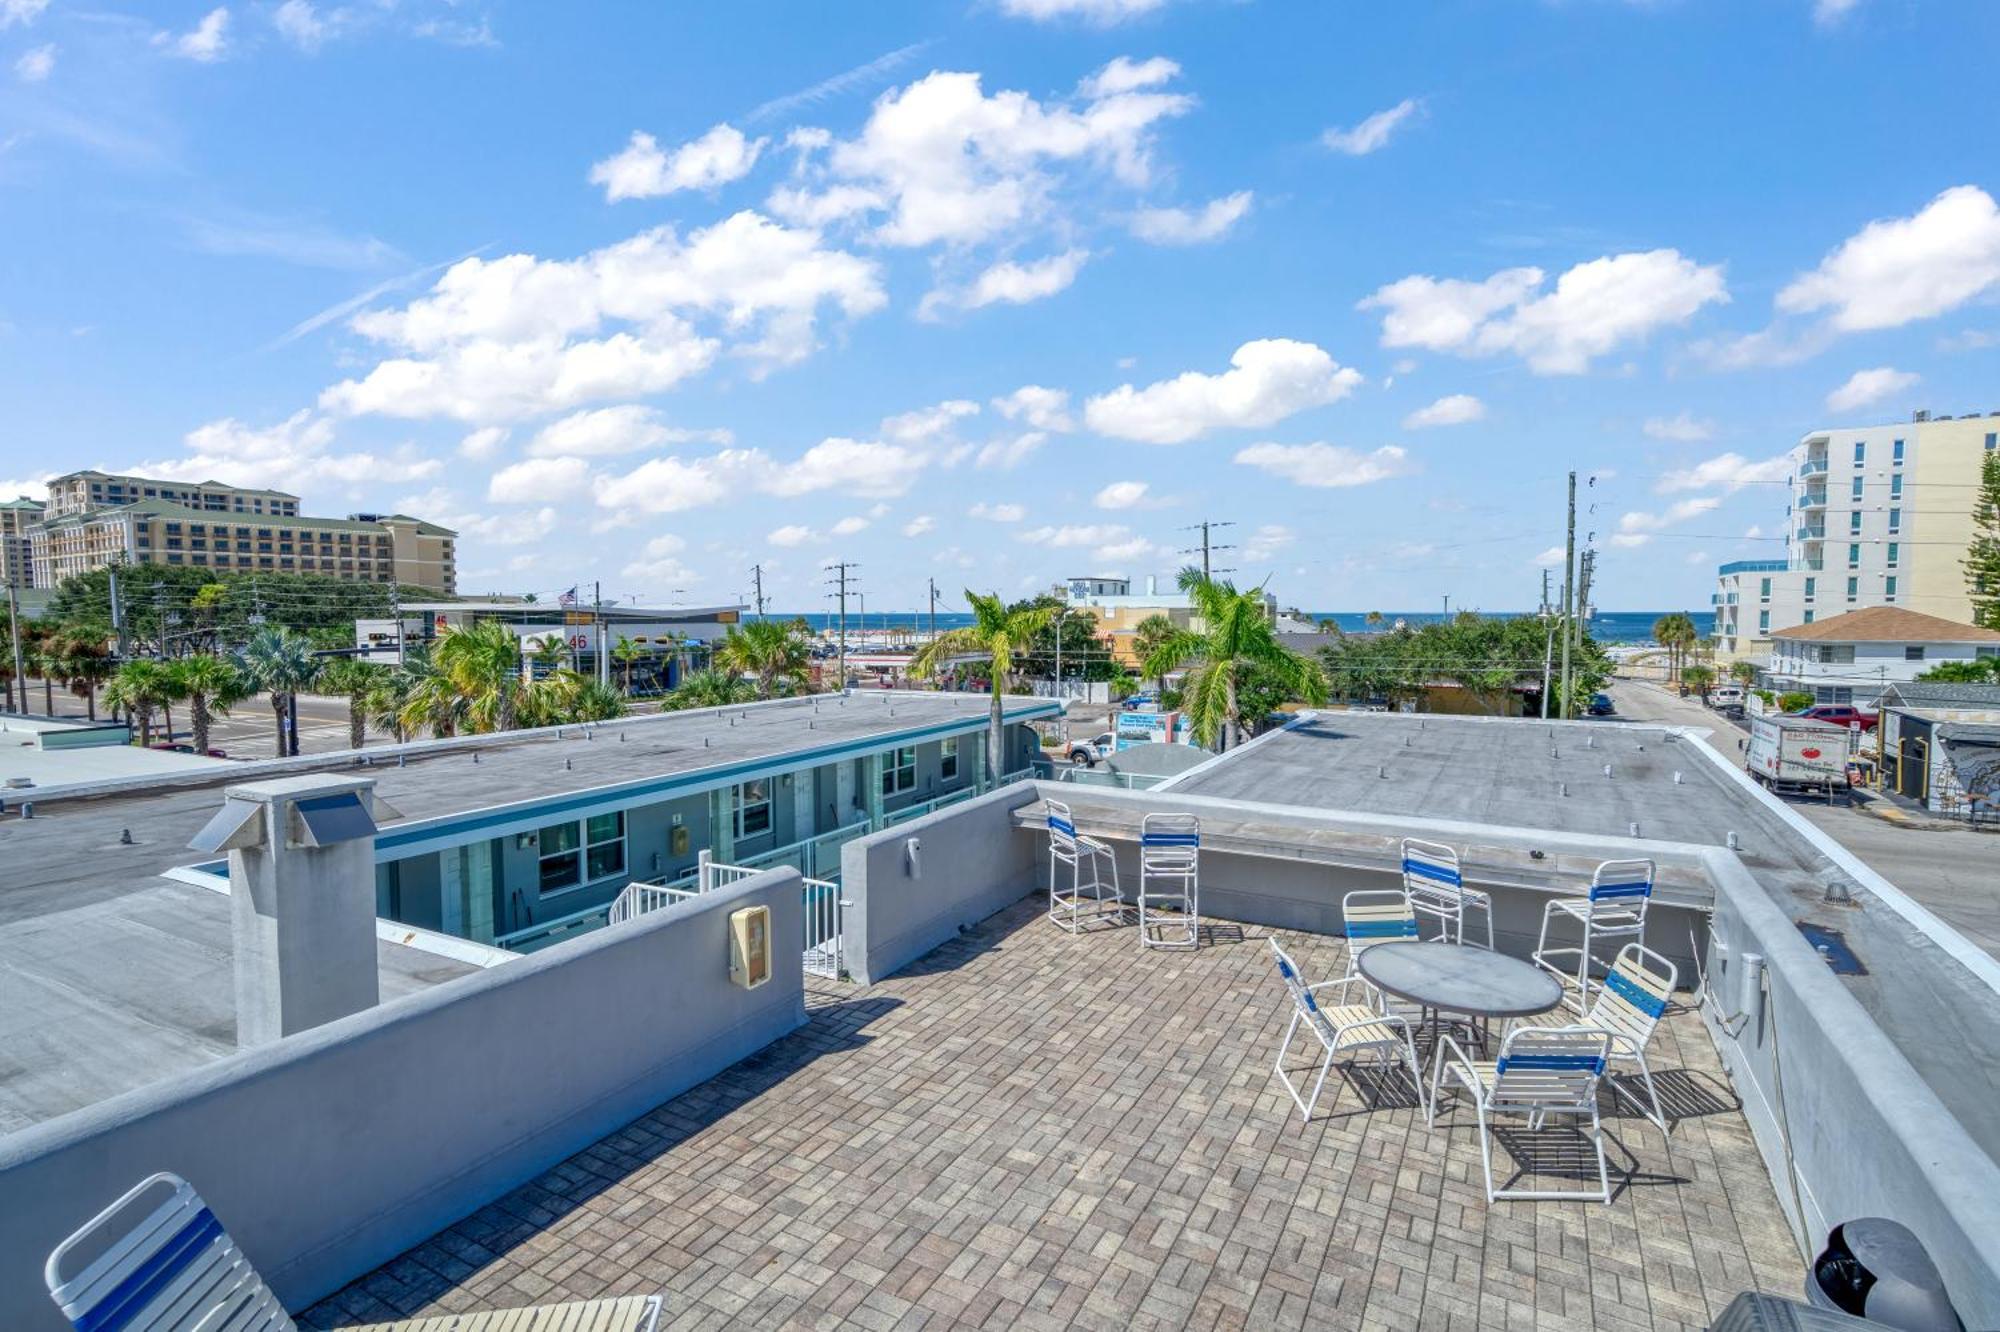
(18, 518)
(232, 531)
(81, 492)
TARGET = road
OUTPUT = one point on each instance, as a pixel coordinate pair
(1955, 872)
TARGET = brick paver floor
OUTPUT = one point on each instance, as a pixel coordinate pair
(1029, 1130)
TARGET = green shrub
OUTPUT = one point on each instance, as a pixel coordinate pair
(1796, 700)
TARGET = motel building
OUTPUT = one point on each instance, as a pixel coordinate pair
(671, 639)
(516, 841)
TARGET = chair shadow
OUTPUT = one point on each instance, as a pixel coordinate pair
(1564, 1152)
(1379, 1087)
(1684, 1094)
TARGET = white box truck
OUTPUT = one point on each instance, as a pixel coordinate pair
(1791, 753)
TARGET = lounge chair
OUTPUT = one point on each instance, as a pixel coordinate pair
(167, 1265)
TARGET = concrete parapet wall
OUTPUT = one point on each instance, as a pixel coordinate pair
(969, 862)
(327, 1153)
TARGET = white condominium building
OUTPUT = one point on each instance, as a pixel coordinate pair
(1879, 516)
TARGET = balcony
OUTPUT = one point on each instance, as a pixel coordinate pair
(1812, 532)
(1753, 566)
(1813, 499)
(1814, 466)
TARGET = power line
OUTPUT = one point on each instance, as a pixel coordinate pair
(840, 581)
(1205, 547)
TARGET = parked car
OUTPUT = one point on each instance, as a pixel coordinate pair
(1723, 696)
(1086, 753)
(1140, 702)
(1600, 706)
(1841, 714)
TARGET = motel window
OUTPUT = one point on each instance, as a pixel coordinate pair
(948, 759)
(561, 857)
(753, 808)
(1860, 451)
(1913, 652)
(1985, 653)
(604, 845)
(1896, 454)
(900, 772)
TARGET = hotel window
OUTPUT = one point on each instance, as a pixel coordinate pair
(900, 772)
(1895, 520)
(1854, 523)
(1896, 454)
(1809, 616)
(1854, 557)
(1860, 451)
(1896, 486)
(1894, 547)
(1763, 622)
(752, 813)
(948, 760)
(604, 845)
(1889, 588)
(1763, 589)
(1811, 583)
(1853, 588)
(1857, 486)
(561, 857)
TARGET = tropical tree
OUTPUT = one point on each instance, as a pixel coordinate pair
(1743, 672)
(482, 661)
(211, 687)
(1986, 670)
(48, 657)
(355, 680)
(86, 664)
(1236, 641)
(998, 633)
(432, 702)
(389, 696)
(1147, 638)
(1982, 557)
(594, 703)
(627, 654)
(777, 652)
(1676, 633)
(710, 689)
(135, 690)
(1700, 678)
(279, 662)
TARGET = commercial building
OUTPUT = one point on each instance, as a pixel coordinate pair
(1855, 656)
(1939, 745)
(365, 548)
(667, 639)
(1878, 516)
(1120, 611)
(18, 519)
(81, 492)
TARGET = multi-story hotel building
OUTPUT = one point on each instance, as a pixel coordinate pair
(1879, 516)
(230, 531)
(18, 518)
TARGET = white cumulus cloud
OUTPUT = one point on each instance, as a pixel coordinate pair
(1455, 409)
(36, 63)
(919, 525)
(644, 170)
(613, 430)
(1595, 307)
(1902, 269)
(294, 454)
(1268, 380)
(1043, 408)
(791, 534)
(998, 513)
(1866, 386)
(1102, 12)
(206, 42)
(1326, 466)
(1684, 428)
(536, 480)
(1639, 528)
(1726, 471)
(482, 443)
(1183, 226)
(1008, 283)
(22, 12)
(1374, 132)
(1122, 495)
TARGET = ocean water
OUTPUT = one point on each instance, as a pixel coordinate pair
(1609, 627)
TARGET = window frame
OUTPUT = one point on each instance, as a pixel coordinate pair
(743, 809)
(899, 771)
(948, 759)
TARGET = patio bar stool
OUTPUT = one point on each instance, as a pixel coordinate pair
(1079, 895)
(1432, 878)
(1612, 915)
(1169, 881)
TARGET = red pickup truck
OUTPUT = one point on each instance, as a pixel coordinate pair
(1842, 714)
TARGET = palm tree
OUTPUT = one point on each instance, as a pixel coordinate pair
(483, 662)
(1743, 672)
(1699, 678)
(1676, 633)
(1237, 641)
(280, 663)
(627, 654)
(594, 703)
(357, 680)
(86, 666)
(1148, 636)
(386, 702)
(709, 689)
(48, 658)
(433, 703)
(135, 691)
(775, 651)
(997, 633)
(211, 687)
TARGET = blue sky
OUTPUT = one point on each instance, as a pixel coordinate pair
(999, 291)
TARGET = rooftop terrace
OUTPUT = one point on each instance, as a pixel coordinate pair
(1030, 1130)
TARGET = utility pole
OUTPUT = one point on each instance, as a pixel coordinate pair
(14, 629)
(1206, 547)
(1447, 605)
(1569, 589)
(839, 582)
(757, 578)
(118, 617)
(933, 587)
(396, 609)
(597, 615)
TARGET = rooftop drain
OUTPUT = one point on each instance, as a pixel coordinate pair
(1832, 946)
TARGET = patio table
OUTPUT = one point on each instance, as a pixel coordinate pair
(1454, 978)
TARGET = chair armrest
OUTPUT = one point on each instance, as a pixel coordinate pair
(1341, 984)
(1447, 1046)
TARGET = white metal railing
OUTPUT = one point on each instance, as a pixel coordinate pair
(1128, 781)
(544, 933)
(640, 898)
(823, 952)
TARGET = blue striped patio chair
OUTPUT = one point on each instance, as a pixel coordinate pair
(1169, 881)
(1629, 1005)
(1371, 916)
(1432, 878)
(1345, 1031)
(158, 1260)
(1541, 1071)
(1613, 913)
(1079, 896)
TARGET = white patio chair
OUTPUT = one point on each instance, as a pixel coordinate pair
(169, 1266)
(1081, 902)
(1169, 881)
(1541, 1071)
(1437, 889)
(1371, 916)
(1629, 1005)
(1612, 913)
(1344, 1031)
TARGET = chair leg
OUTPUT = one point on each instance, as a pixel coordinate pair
(1485, 1146)
(1658, 1116)
(1603, 1171)
(1416, 1074)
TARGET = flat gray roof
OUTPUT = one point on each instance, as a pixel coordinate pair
(111, 977)
(1939, 1010)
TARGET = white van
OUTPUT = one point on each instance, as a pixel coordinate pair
(1726, 696)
